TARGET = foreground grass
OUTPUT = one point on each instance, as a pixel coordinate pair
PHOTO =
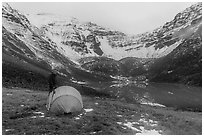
(24, 112)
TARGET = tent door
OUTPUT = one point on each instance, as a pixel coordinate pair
(50, 99)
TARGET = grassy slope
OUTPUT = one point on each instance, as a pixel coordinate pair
(14, 75)
(19, 105)
(182, 65)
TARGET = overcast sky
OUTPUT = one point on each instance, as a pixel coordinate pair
(128, 17)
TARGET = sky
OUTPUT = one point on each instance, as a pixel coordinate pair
(128, 17)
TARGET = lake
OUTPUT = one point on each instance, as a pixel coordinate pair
(156, 94)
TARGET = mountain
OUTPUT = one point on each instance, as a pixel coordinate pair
(184, 63)
(27, 53)
(73, 38)
(169, 36)
(78, 39)
(180, 41)
(82, 51)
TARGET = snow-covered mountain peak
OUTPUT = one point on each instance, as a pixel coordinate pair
(76, 39)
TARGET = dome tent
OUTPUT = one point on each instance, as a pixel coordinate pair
(64, 99)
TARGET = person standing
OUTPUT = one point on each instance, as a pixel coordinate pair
(52, 81)
(52, 85)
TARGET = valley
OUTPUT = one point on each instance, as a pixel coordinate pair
(152, 81)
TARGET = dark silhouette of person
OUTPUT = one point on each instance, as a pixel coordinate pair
(52, 86)
(52, 82)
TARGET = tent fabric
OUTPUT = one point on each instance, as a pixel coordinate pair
(64, 99)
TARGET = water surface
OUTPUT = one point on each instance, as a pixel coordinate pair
(166, 94)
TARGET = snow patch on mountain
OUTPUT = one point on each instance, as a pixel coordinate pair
(143, 52)
(167, 50)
